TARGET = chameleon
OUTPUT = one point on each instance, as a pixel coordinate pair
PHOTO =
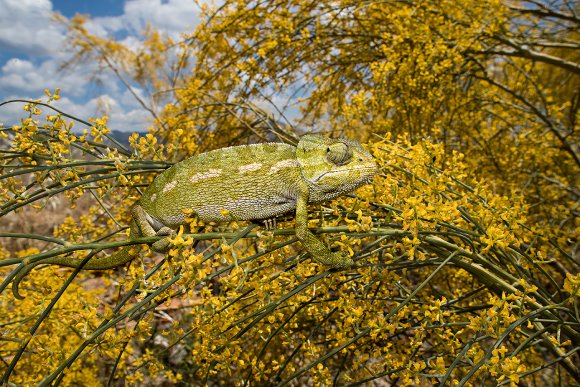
(246, 182)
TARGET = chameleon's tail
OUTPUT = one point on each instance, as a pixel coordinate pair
(121, 257)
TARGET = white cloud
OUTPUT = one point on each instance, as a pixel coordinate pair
(136, 120)
(128, 99)
(26, 27)
(11, 113)
(170, 17)
(120, 117)
(36, 41)
(24, 77)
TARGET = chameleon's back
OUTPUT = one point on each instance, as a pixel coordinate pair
(244, 182)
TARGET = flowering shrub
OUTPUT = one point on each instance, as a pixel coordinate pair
(453, 286)
(466, 239)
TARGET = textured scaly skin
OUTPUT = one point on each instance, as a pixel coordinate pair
(248, 182)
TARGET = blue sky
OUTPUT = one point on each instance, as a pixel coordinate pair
(70, 8)
(32, 51)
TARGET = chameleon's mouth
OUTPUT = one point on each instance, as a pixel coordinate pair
(370, 170)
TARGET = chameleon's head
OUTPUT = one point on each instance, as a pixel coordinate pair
(333, 167)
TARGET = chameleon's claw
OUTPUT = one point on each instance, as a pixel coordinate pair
(270, 224)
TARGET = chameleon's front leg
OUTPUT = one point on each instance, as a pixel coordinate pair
(147, 230)
(313, 245)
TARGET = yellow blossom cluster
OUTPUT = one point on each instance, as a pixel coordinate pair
(465, 242)
(439, 287)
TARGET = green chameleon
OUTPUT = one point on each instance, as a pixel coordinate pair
(247, 182)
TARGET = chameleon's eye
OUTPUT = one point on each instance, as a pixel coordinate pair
(339, 153)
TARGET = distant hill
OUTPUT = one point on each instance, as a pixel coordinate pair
(122, 137)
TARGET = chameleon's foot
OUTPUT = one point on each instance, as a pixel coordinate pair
(165, 231)
(162, 245)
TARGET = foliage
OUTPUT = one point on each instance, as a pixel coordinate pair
(467, 238)
(497, 81)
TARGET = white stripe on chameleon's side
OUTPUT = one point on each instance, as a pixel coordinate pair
(169, 186)
(288, 163)
(153, 197)
(205, 175)
(249, 167)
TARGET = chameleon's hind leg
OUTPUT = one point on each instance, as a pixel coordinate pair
(147, 230)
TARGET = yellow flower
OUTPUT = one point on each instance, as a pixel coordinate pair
(178, 239)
